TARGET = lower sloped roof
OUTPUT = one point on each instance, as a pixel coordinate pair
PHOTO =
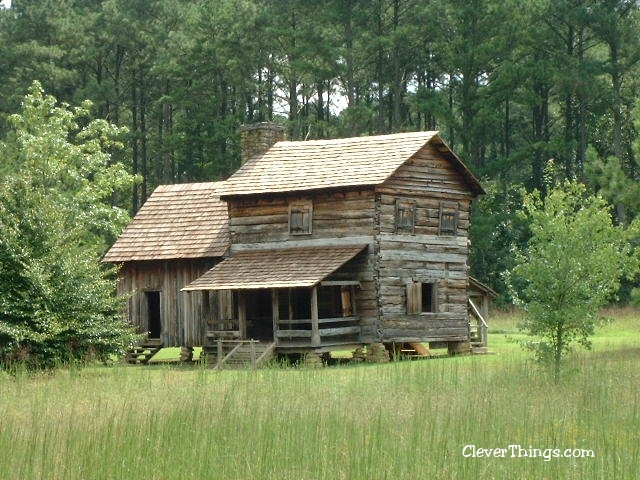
(177, 221)
(277, 268)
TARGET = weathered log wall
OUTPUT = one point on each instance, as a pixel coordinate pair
(361, 269)
(184, 315)
(423, 255)
(335, 215)
(338, 218)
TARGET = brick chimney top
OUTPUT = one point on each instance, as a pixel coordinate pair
(257, 138)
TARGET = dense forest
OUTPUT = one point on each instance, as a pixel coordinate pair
(526, 92)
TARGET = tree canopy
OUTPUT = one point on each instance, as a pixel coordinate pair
(571, 267)
(509, 84)
(56, 302)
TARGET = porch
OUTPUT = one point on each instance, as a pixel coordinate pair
(284, 296)
(294, 319)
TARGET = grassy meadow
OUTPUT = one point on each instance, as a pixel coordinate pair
(409, 419)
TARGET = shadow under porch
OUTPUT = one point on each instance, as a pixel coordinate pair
(299, 319)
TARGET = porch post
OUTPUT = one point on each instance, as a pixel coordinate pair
(242, 314)
(315, 329)
(275, 307)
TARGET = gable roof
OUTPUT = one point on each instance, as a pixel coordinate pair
(348, 162)
(177, 221)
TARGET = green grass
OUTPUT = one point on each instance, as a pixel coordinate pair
(399, 420)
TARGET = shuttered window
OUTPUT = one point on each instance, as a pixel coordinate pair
(448, 224)
(405, 216)
(300, 218)
(422, 297)
(414, 298)
(346, 294)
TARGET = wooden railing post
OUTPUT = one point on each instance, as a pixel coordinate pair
(219, 352)
(275, 310)
(315, 328)
(242, 314)
(252, 348)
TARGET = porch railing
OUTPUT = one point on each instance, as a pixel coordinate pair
(478, 332)
(332, 330)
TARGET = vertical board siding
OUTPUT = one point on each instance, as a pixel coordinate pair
(184, 315)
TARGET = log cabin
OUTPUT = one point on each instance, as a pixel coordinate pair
(335, 244)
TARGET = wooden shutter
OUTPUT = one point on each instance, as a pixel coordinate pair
(345, 297)
(306, 220)
(405, 216)
(448, 219)
(296, 220)
(414, 298)
(300, 215)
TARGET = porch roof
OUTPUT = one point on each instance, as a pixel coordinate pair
(276, 268)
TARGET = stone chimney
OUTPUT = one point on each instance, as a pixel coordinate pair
(257, 138)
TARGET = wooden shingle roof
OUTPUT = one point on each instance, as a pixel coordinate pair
(476, 286)
(349, 162)
(177, 221)
(277, 268)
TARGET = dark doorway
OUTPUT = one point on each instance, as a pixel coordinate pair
(153, 311)
(259, 314)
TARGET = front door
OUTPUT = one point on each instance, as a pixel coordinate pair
(259, 314)
(153, 314)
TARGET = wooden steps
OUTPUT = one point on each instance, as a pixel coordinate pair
(238, 354)
(479, 350)
(141, 354)
(477, 340)
(478, 330)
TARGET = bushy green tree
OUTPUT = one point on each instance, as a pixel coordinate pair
(56, 301)
(570, 269)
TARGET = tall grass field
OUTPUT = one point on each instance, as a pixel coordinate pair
(429, 419)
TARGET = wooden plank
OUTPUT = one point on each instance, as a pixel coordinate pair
(420, 323)
(275, 311)
(294, 333)
(332, 332)
(315, 335)
(252, 220)
(425, 256)
(409, 337)
(305, 243)
(389, 240)
(442, 330)
(320, 321)
(242, 314)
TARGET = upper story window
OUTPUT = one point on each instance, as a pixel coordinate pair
(300, 218)
(448, 224)
(405, 216)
